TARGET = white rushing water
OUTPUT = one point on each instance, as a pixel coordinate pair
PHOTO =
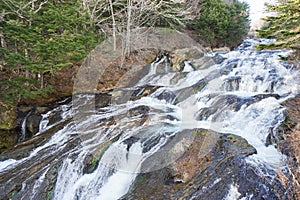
(241, 95)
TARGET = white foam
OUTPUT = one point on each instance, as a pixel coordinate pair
(233, 193)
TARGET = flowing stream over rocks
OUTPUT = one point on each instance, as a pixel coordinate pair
(206, 132)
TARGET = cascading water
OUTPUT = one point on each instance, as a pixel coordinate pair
(97, 154)
(23, 128)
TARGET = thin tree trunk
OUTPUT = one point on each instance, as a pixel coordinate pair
(26, 56)
(128, 31)
(42, 80)
(114, 25)
(3, 45)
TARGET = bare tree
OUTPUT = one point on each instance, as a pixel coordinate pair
(113, 24)
(121, 16)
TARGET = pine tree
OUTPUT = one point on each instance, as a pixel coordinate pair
(283, 25)
(221, 24)
(38, 38)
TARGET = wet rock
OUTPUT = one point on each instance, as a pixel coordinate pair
(139, 110)
(32, 123)
(9, 185)
(169, 96)
(123, 95)
(275, 136)
(130, 141)
(142, 92)
(24, 148)
(165, 65)
(177, 77)
(264, 96)
(231, 64)
(28, 120)
(91, 162)
(187, 92)
(203, 62)
(54, 118)
(212, 165)
(223, 103)
(180, 55)
(218, 58)
(102, 99)
(150, 143)
(49, 184)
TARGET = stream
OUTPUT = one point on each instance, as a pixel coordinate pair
(98, 153)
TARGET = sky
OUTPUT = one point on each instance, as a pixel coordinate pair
(257, 11)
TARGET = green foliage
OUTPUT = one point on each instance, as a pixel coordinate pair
(96, 158)
(40, 40)
(283, 25)
(12, 90)
(221, 24)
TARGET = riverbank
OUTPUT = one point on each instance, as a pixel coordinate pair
(290, 146)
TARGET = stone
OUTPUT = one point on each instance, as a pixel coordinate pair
(211, 166)
(221, 49)
(32, 123)
(178, 56)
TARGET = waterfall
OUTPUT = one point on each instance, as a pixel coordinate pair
(23, 128)
(97, 154)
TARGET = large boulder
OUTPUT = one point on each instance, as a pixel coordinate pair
(33, 123)
(108, 68)
(212, 165)
(178, 56)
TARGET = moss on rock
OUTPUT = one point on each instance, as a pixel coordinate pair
(8, 116)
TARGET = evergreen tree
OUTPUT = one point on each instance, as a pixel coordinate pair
(283, 25)
(40, 39)
(221, 24)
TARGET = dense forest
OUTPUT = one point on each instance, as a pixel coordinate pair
(39, 38)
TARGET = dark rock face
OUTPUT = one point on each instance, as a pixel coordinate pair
(12, 119)
(28, 121)
(7, 139)
(32, 117)
(32, 123)
(213, 164)
(168, 96)
(102, 100)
